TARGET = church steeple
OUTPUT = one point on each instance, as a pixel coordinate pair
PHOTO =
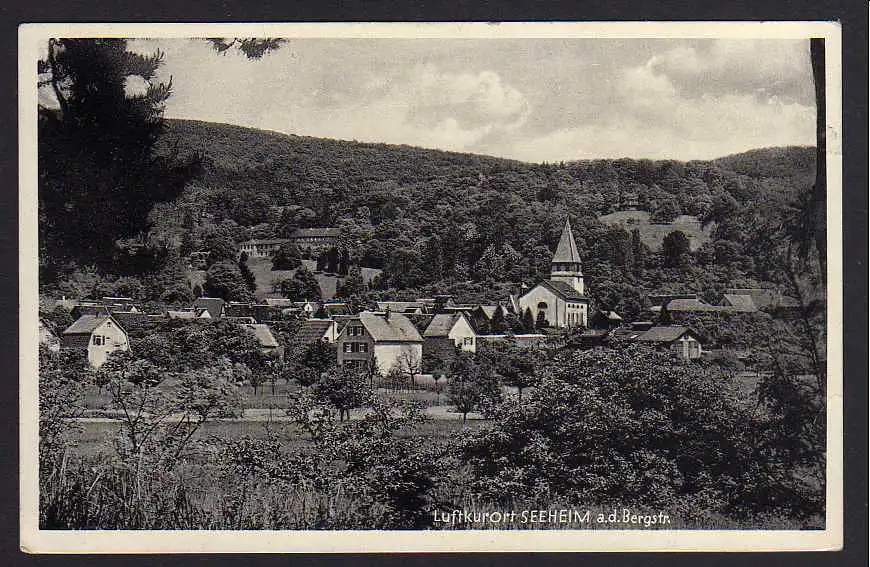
(566, 265)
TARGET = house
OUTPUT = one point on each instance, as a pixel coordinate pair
(334, 308)
(605, 319)
(482, 315)
(262, 248)
(389, 339)
(315, 236)
(682, 341)
(266, 339)
(99, 334)
(560, 301)
(47, 337)
(194, 313)
(316, 330)
(749, 300)
(447, 332)
(403, 306)
(214, 305)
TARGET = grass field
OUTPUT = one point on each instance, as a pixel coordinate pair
(652, 234)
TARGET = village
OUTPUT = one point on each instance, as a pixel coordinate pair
(406, 334)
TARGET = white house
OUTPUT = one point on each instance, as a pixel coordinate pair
(453, 328)
(682, 341)
(99, 334)
(560, 300)
(389, 339)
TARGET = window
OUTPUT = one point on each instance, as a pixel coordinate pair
(347, 347)
(363, 347)
(99, 340)
(467, 341)
(542, 305)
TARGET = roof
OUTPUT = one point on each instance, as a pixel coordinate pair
(764, 298)
(691, 305)
(278, 302)
(315, 233)
(312, 330)
(664, 334)
(442, 324)
(566, 251)
(130, 320)
(740, 302)
(612, 315)
(86, 324)
(264, 334)
(265, 242)
(400, 306)
(181, 314)
(214, 305)
(395, 328)
(336, 308)
(563, 290)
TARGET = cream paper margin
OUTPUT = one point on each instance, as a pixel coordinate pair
(34, 540)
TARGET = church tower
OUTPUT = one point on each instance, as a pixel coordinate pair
(566, 266)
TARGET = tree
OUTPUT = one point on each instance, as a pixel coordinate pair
(344, 388)
(515, 365)
(471, 385)
(352, 284)
(287, 257)
(667, 211)
(528, 321)
(541, 321)
(224, 280)
(246, 273)
(99, 176)
(302, 286)
(408, 362)
(673, 436)
(675, 249)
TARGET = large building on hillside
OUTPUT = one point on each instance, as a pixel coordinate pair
(561, 300)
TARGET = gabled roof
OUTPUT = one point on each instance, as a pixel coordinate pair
(395, 328)
(691, 305)
(265, 242)
(563, 290)
(764, 298)
(336, 308)
(442, 324)
(214, 305)
(401, 306)
(740, 302)
(264, 335)
(312, 330)
(86, 324)
(665, 334)
(315, 232)
(566, 251)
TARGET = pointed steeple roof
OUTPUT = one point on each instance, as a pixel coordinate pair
(566, 251)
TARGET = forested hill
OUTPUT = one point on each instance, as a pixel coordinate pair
(431, 219)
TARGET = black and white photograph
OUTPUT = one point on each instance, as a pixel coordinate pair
(441, 286)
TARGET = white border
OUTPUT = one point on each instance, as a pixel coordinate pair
(34, 540)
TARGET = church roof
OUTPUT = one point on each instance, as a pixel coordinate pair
(566, 251)
(563, 290)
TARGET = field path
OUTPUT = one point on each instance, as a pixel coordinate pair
(444, 413)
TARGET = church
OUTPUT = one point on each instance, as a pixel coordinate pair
(560, 300)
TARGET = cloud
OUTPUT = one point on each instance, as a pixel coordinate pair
(526, 99)
(763, 68)
(472, 100)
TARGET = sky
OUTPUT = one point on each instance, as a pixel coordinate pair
(528, 99)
